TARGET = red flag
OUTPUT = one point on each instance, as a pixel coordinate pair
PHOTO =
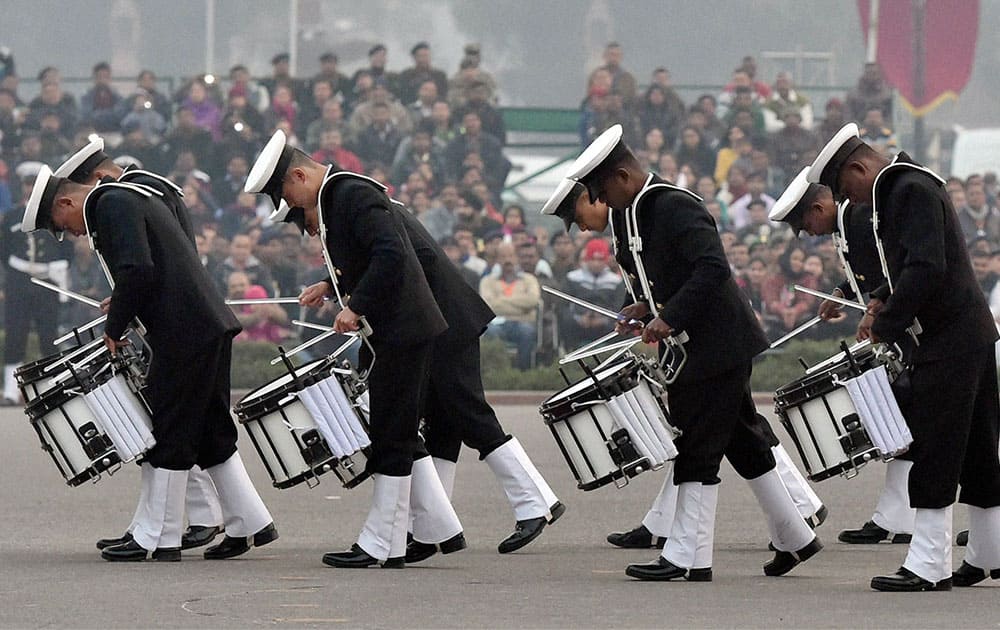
(950, 30)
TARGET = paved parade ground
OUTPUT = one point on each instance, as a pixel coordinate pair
(52, 576)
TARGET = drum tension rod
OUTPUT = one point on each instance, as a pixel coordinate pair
(850, 357)
(289, 367)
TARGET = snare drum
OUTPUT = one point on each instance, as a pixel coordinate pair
(93, 418)
(611, 429)
(820, 416)
(310, 424)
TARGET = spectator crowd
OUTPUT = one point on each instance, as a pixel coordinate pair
(437, 141)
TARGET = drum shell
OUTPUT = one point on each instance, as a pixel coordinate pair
(821, 419)
(287, 438)
(70, 433)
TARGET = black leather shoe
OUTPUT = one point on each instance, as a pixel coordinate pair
(104, 543)
(870, 534)
(199, 535)
(133, 552)
(785, 561)
(963, 538)
(231, 547)
(530, 528)
(662, 570)
(638, 538)
(968, 575)
(417, 551)
(906, 581)
(358, 558)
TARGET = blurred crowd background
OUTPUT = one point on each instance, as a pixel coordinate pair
(438, 138)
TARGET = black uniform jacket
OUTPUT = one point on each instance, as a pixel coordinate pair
(929, 266)
(860, 251)
(689, 276)
(466, 312)
(172, 195)
(375, 263)
(158, 276)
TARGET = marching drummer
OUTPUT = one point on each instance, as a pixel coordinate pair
(954, 411)
(680, 281)
(89, 166)
(159, 280)
(811, 208)
(376, 276)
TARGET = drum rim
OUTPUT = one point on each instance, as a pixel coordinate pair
(807, 380)
(247, 407)
(550, 404)
(38, 365)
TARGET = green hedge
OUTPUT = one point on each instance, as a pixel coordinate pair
(251, 366)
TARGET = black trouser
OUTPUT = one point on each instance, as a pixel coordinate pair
(396, 385)
(717, 417)
(190, 399)
(455, 407)
(953, 414)
(25, 302)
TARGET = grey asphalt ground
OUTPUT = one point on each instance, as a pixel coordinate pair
(52, 576)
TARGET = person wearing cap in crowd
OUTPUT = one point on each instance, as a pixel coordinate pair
(328, 71)
(811, 208)
(27, 256)
(412, 78)
(953, 408)
(682, 282)
(594, 282)
(377, 57)
(469, 70)
(158, 279)
(454, 404)
(281, 75)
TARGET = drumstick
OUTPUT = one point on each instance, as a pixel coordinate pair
(804, 327)
(278, 300)
(76, 296)
(318, 338)
(72, 355)
(618, 317)
(77, 329)
(832, 298)
(628, 343)
(299, 322)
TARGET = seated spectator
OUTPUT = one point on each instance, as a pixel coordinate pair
(784, 97)
(752, 283)
(704, 117)
(332, 151)
(364, 113)
(739, 209)
(260, 322)
(514, 296)
(786, 308)
(423, 107)
(477, 100)
(242, 259)
(742, 81)
(51, 99)
(564, 257)
(876, 133)
(240, 215)
(774, 177)
(312, 109)
(379, 141)
(530, 260)
(794, 146)
(735, 145)
(98, 105)
(328, 71)
(978, 218)
(207, 113)
(474, 140)
(283, 108)
(225, 189)
(470, 251)
(141, 114)
(332, 117)
(440, 219)
(872, 91)
(469, 71)
(186, 136)
(55, 144)
(693, 150)
(653, 147)
(661, 108)
(594, 282)
(513, 219)
(417, 150)
(254, 94)
(834, 121)
(746, 112)
(738, 255)
(409, 80)
(667, 168)
(454, 252)
(444, 131)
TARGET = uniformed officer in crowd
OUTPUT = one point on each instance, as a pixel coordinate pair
(953, 409)
(27, 256)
